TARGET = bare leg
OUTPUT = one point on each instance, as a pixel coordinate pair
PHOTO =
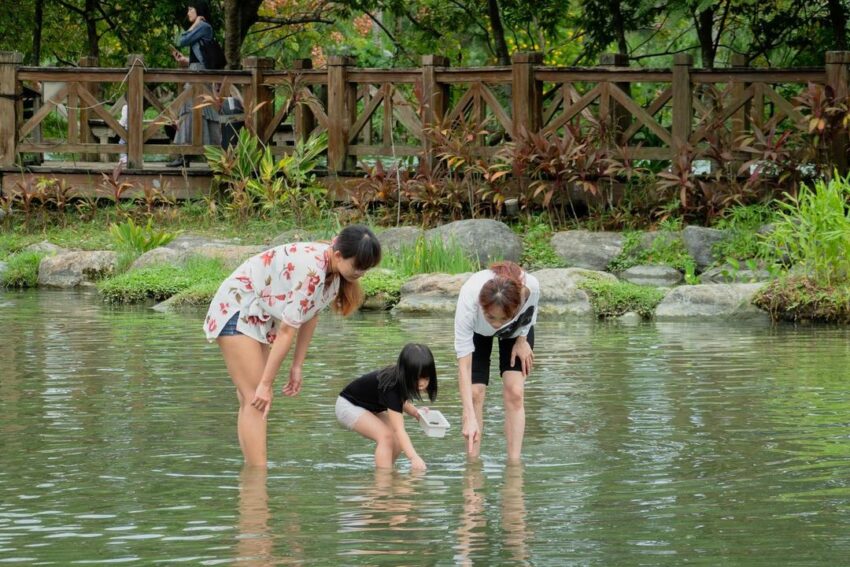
(385, 417)
(370, 426)
(245, 359)
(478, 393)
(513, 393)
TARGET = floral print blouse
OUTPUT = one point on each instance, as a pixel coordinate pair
(285, 284)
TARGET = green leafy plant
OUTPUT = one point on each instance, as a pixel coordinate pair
(130, 237)
(813, 231)
(537, 251)
(667, 248)
(22, 270)
(741, 224)
(385, 283)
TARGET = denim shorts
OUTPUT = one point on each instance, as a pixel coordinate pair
(229, 329)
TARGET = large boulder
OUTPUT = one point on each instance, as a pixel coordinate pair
(231, 256)
(730, 274)
(723, 301)
(3, 267)
(431, 293)
(295, 235)
(161, 255)
(699, 242)
(559, 291)
(45, 247)
(394, 239)
(193, 241)
(585, 249)
(76, 268)
(651, 274)
(483, 239)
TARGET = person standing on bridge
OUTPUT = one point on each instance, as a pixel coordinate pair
(194, 38)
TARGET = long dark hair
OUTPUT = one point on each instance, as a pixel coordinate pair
(414, 362)
(202, 8)
(504, 290)
(358, 242)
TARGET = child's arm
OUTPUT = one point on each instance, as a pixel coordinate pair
(397, 422)
(411, 410)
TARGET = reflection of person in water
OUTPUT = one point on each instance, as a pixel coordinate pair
(255, 542)
(472, 527)
(514, 524)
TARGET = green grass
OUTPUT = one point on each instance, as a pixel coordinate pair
(383, 282)
(162, 281)
(22, 270)
(430, 256)
(614, 298)
(667, 249)
(741, 224)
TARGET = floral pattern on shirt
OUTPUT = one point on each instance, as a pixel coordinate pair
(286, 284)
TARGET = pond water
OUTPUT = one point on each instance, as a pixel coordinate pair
(656, 444)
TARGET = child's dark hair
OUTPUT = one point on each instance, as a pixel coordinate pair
(358, 242)
(414, 362)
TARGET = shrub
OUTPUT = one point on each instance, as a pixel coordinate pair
(667, 249)
(741, 224)
(383, 282)
(813, 231)
(614, 298)
(130, 237)
(537, 251)
(22, 270)
(162, 281)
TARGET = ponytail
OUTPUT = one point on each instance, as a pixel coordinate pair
(358, 242)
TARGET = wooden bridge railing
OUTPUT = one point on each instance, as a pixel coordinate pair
(371, 113)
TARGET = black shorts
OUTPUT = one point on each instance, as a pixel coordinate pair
(483, 349)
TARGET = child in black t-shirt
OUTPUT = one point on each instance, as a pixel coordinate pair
(372, 405)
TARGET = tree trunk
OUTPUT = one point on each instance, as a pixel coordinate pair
(498, 32)
(36, 32)
(705, 33)
(619, 27)
(838, 17)
(91, 29)
(232, 34)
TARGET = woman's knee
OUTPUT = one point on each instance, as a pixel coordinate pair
(514, 395)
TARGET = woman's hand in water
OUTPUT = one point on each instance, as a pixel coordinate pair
(522, 351)
(471, 432)
(294, 385)
(418, 464)
(263, 399)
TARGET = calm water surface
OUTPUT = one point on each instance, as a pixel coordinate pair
(658, 444)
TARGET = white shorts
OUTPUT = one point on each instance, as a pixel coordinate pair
(347, 413)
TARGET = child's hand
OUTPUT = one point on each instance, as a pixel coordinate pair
(420, 412)
(418, 464)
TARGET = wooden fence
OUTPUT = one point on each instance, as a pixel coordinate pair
(373, 113)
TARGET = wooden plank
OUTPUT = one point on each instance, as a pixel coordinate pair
(496, 108)
(63, 147)
(172, 110)
(683, 111)
(652, 110)
(281, 115)
(640, 114)
(151, 98)
(574, 109)
(135, 112)
(387, 137)
(454, 76)
(366, 115)
(73, 114)
(162, 149)
(405, 114)
(60, 75)
(48, 107)
(733, 107)
(98, 109)
(557, 100)
(383, 76)
(785, 106)
(625, 75)
(462, 104)
(799, 76)
(197, 116)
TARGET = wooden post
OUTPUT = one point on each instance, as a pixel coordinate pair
(682, 102)
(305, 121)
(10, 109)
(740, 119)
(838, 77)
(86, 135)
(340, 110)
(434, 99)
(621, 118)
(259, 99)
(527, 95)
(135, 111)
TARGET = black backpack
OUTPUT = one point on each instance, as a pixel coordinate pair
(213, 54)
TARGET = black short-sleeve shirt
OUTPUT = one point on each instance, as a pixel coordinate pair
(365, 393)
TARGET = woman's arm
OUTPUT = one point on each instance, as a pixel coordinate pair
(305, 335)
(397, 422)
(198, 31)
(280, 348)
(464, 384)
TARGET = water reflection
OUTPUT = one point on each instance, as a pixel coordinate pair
(255, 544)
(515, 532)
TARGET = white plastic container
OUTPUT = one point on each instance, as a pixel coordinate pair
(433, 423)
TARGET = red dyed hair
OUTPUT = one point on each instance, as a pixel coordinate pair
(504, 290)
